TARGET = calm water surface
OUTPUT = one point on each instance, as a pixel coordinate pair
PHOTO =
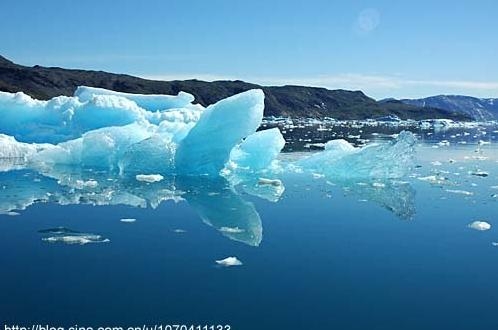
(325, 255)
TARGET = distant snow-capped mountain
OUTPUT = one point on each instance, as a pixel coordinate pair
(477, 108)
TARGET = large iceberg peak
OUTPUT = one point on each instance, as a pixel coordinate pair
(222, 126)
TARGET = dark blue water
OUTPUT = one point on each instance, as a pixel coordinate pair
(327, 255)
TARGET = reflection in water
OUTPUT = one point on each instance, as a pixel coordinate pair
(220, 206)
(398, 197)
(218, 201)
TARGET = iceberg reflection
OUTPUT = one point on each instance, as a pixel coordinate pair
(395, 196)
(219, 205)
(218, 201)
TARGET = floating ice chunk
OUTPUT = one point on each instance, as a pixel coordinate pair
(150, 178)
(341, 160)
(258, 150)
(269, 189)
(128, 220)
(460, 192)
(340, 146)
(232, 230)
(179, 231)
(207, 147)
(480, 225)
(76, 239)
(69, 236)
(434, 179)
(494, 243)
(149, 102)
(80, 184)
(63, 118)
(229, 262)
(436, 163)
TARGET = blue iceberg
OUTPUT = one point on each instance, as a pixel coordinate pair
(102, 147)
(130, 134)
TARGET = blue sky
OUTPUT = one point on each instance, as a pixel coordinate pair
(385, 48)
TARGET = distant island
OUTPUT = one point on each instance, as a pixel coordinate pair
(280, 101)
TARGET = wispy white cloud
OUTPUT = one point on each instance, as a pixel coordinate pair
(377, 86)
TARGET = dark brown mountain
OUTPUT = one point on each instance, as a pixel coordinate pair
(293, 101)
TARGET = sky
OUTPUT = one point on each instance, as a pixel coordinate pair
(401, 49)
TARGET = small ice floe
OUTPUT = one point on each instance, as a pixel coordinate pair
(378, 185)
(444, 143)
(460, 192)
(76, 240)
(437, 163)
(71, 237)
(179, 231)
(435, 179)
(229, 262)
(271, 182)
(80, 184)
(149, 178)
(494, 243)
(480, 225)
(128, 220)
(480, 173)
(232, 230)
(12, 213)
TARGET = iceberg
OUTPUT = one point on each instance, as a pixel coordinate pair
(480, 225)
(150, 102)
(131, 134)
(229, 262)
(149, 178)
(342, 161)
(250, 156)
(65, 118)
(93, 147)
(70, 237)
(221, 127)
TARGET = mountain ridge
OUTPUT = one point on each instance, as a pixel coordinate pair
(281, 101)
(478, 108)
